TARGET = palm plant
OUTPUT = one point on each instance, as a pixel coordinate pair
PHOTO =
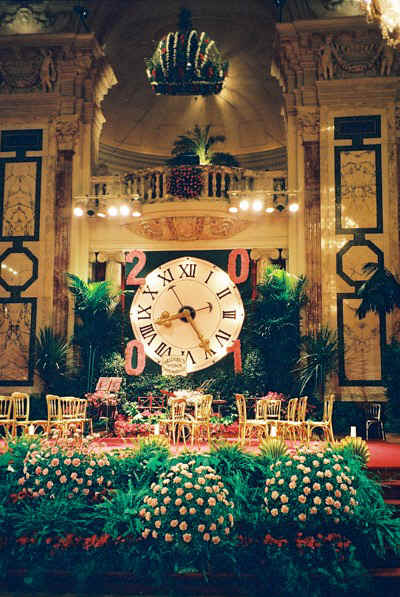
(95, 304)
(272, 328)
(51, 359)
(197, 141)
(380, 293)
(318, 361)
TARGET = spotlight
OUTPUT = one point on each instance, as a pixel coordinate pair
(294, 207)
(112, 211)
(136, 214)
(78, 211)
(233, 209)
(257, 205)
(270, 210)
(124, 210)
(244, 205)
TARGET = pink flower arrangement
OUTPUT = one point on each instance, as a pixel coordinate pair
(203, 513)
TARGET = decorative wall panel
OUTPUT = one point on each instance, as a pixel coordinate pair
(359, 211)
(358, 340)
(17, 332)
(20, 184)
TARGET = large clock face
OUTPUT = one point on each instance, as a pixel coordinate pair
(187, 307)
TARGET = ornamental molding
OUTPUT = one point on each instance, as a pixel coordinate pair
(67, 132)
(189, 228)
(25, 69)
(44, 17)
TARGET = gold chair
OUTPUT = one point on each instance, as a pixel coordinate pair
(245, 424)
(177, 408)
(326, 423)
(273, 414)
(82, 414)
(288, 426)
(21, 404)
(6, 420)
(54, 420)
(200, 421)
(69, 413)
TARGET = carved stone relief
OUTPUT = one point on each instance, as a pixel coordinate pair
(25, 69)
(189, 228)
(309, 123)
(15, 334)
(67, 132)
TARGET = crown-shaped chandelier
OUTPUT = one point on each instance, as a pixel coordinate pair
(186, 62)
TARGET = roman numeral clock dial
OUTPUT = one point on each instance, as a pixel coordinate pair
(187, 307)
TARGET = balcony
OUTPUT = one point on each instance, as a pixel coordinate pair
(187, 202)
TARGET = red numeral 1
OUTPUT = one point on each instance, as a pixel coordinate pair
(237, 356)
(244, 265)
(140, 357)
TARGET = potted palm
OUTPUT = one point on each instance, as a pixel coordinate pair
(318, 360)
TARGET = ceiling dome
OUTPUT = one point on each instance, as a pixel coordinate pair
(248, 110)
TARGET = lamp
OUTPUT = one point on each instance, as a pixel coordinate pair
(387, 14)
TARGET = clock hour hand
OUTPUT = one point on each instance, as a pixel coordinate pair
(204, 343)
(165, 318)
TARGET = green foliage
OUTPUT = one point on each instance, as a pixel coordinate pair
(357, 447)
(272, 328)
(97, 321)
(273, 448)
(380, 293)
(318, 360)
(197, 141)
(51, 352)
(220, 158)
(140, 527)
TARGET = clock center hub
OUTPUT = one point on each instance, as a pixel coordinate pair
(187, 308)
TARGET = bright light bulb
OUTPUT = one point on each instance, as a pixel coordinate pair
(257, 205)
(270, 210)
(136, 214)
(112, 211)
(233, 209)
(294, 207)
(100, 214)
(244, 205)
(78, 211)
(124, 210)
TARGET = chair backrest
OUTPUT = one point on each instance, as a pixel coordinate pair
(374, 411)
(203, 408)
(81, 408)
(291, 409)
(53, 407)
(273, 409)
(302, 409)
(177, 408)
(241, 407)
(20, 406)
(115, 384)
(5, 408)
(328, 408)
(103, 384)
(69, 407)
(262, 409)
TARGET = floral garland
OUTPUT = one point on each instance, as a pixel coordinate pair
(185, 182)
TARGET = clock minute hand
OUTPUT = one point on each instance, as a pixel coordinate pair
(204, 343)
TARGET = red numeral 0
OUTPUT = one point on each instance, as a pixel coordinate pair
(244, 265)
(140, 358)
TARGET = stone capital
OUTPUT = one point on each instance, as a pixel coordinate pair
(67, 132)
